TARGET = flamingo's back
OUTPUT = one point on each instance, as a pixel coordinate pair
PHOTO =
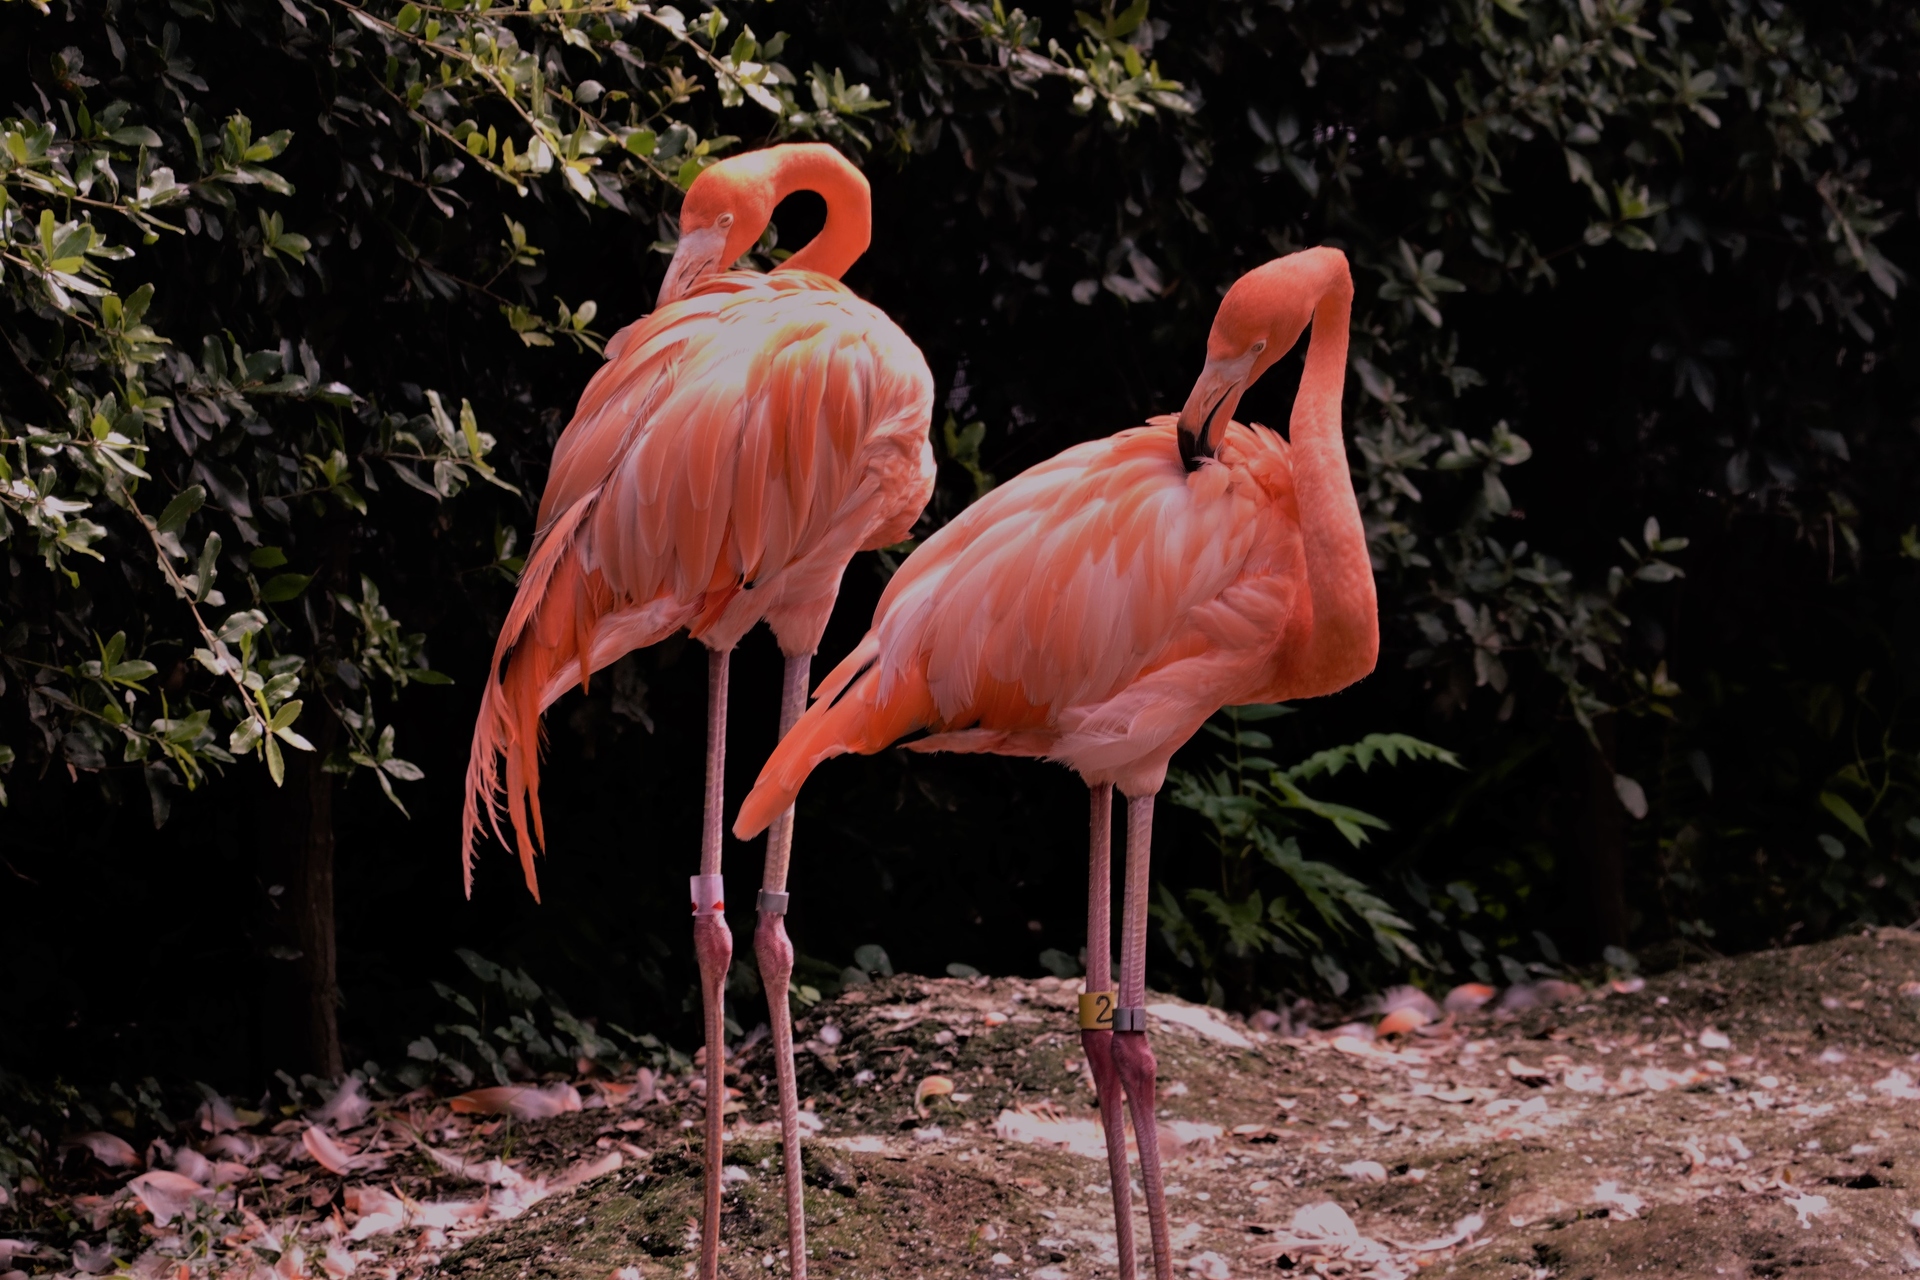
(737, 449)
(1093, 610)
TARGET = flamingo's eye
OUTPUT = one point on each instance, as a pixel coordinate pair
(724, 221)
(1259, 346)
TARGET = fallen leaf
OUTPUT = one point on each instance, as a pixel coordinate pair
(1467, 997)
(1712, 1039)
(92, 1259)
(346, 1109)
(1365, 1171)
(165, 1194)
(1202, 1021)
(1400, 1022)
(337, 1262)
(931, 1087)
(331, 1155)
(216, 1115)
(196, 1166)
(111, 1151)
(586, 1171)
(520, 1101)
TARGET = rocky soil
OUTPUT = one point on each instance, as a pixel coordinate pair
(1747, 1117)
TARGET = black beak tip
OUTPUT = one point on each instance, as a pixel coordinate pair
(1193, 450)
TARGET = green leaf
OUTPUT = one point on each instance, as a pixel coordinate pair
(267, 557)
(284, 586)
(208, 566)
(184, 504)
(245, 737)
(1849, 817)
(404, 770)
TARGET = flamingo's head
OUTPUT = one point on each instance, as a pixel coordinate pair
(1259, 320)
(724, 212)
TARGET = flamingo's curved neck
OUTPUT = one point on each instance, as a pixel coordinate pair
(1346, 616)
(849, 225)
(1343, 640)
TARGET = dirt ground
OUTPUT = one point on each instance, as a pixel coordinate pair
(1749, 1117)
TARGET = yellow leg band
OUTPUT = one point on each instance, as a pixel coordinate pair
(1096, 1010)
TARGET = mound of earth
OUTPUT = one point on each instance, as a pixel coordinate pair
(1744, 1117)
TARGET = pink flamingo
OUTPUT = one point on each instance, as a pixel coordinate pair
(1096, 609)
(739, 446)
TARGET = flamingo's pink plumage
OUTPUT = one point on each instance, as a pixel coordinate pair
(739, 446)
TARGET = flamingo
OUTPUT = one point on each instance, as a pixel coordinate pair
(738, 447)
(1099, 607)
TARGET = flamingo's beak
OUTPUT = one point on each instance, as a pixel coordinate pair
(1210, 407)
(697, 258)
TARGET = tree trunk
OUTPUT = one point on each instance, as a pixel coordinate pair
(311, 899)
(300, 1015)
(1596, 831)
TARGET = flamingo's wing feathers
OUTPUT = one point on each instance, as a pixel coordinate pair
(1063, 586)
(750, 436)
(1102, 578)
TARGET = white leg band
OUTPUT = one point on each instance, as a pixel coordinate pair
(709, 895)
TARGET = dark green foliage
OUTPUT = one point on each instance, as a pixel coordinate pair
(1250, 933)
(504, 1027)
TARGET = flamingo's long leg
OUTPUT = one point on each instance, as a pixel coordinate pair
(1131, 1052)
(713, 945)
(775, 953)
(1098, 1040)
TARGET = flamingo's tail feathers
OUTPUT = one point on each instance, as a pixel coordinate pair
(507, 739)
(851, 668)
(860, 720)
